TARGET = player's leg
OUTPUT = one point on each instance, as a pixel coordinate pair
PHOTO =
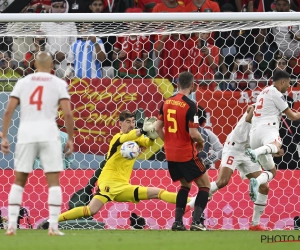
(162, 194)
(267, 175)
(230, 160)
(24, 159)
(223, 179)
(195, 171)
(178, 172)
(259, 204)
(107, 191)
(201, 200)
(84, 211)
(52, 162)
(264, 140)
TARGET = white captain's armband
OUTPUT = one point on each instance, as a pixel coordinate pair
(196, 120)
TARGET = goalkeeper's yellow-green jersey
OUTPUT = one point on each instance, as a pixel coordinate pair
(117, 168)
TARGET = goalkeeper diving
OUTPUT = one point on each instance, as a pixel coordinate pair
(114, 179)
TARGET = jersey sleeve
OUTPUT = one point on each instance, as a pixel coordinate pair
(161, 113)
(280, 102)
(144, 141)
(192, 116)
(100, 42)
(214, 141)
(16, 90)
(131, 136)
(63, 91)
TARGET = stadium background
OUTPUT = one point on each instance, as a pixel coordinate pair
(231, 207)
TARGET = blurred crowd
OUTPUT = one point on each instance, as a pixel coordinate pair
(232, 60)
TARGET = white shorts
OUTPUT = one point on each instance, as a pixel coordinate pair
(50, 154)
(234, 157)
(262, 136)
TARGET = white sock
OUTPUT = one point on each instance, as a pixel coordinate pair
(192, 202)
(213, 188)
(267, 149)
(54, 202)
(264, 177)
(259, 208)
(14, 202)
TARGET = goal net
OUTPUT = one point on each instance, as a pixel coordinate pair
(114, 62)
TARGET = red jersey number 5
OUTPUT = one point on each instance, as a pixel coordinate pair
(258, 107)
(36, 97)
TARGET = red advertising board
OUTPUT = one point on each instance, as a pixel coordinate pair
(96, 105)
(231, 207)
(226, 107)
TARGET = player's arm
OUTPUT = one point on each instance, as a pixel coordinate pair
(145, 141)
(193, 125)
(65, 105)
(250, 111)
(11, 106)
(131, 136)
(159, 126)
(217, 146)
(293, 116)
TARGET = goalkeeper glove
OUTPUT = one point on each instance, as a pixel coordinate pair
(152, 133)
(148, 125)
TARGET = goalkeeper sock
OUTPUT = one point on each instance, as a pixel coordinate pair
(264, 177)
(267, 149)
(169, 197)
(213, 188)
(259, 208)
(200, 203)
(181, 201)
(75, 213)
(54, 202)
(14, 202)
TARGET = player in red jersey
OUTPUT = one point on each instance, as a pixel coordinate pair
(178, 126)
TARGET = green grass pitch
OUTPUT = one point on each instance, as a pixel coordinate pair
(145, 240)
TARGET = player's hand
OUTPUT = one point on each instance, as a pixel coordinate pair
(93, 39)
(152, 134)
(279, 154)
(137, 64)
(205, 51)
(122, 54)
(149, 124)
(200, 145)
(69, 148)
(5, 146)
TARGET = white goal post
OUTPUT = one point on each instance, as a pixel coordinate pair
(239, 54)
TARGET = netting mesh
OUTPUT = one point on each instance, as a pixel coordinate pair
(146, 28)
(113, 66)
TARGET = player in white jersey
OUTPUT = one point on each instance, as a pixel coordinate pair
(38, 95)
(233, 157)
(264, 136)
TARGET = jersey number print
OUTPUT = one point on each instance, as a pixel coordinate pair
(258, 107)
(36, 97)
(173, 127)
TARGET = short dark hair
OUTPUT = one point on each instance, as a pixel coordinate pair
(201, 115)
(125, 115)
(92, 1)
(280, 75)
(185, 80)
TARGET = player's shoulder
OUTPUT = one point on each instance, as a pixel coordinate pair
(190, 102)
